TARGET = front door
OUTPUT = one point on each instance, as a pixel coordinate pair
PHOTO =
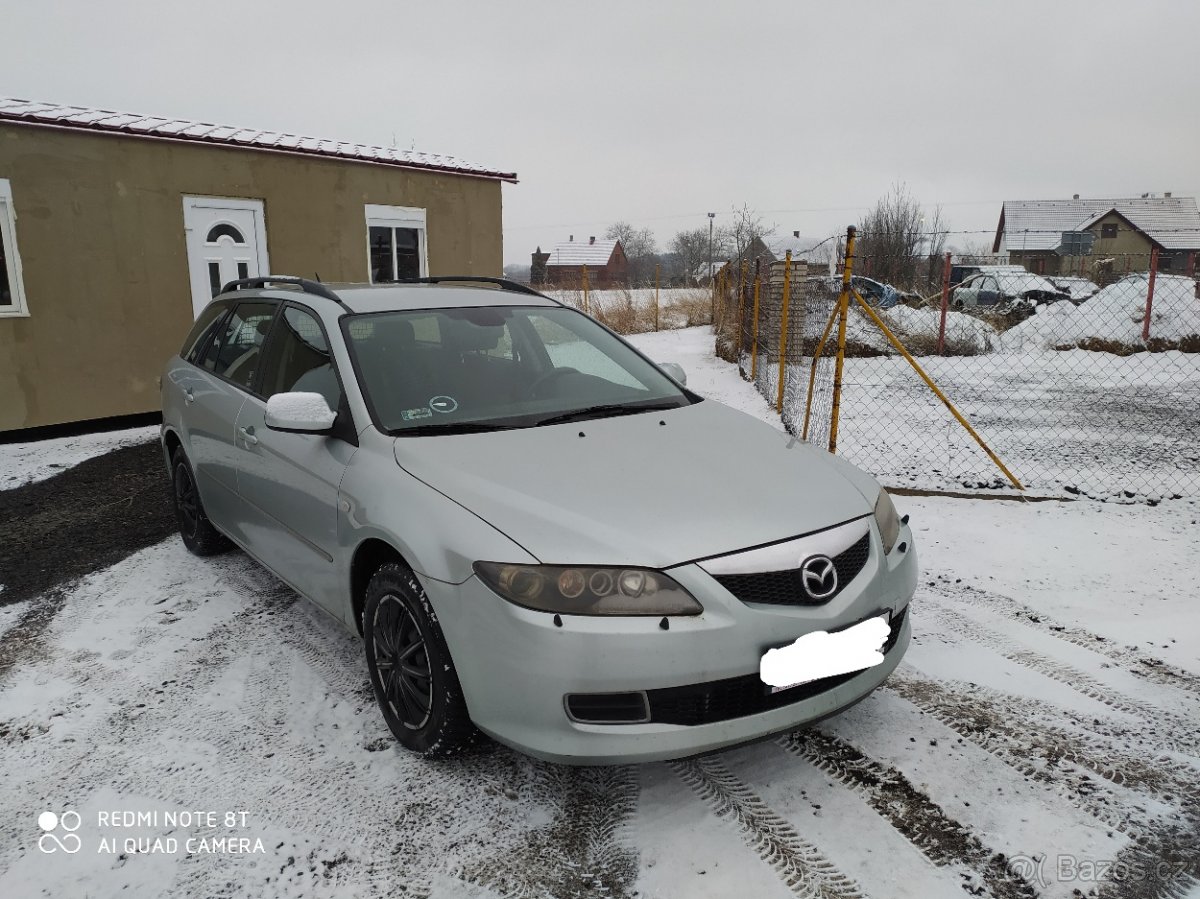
(226, 240)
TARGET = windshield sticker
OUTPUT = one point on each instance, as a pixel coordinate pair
(410, 414)
(443, 404)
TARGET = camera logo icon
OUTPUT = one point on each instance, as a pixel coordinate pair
(52, 825)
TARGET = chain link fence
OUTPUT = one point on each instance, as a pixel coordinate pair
(1083, 378)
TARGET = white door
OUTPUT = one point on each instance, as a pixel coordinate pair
(226, 240)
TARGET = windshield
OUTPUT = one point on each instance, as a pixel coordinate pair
(470, 369)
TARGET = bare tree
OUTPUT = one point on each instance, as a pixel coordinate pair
(899, 241)
(640, 249)
(747, 227)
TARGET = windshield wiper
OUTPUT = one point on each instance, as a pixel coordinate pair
(605, 410)
(462, 427)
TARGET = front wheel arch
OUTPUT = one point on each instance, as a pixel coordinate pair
(370, 555)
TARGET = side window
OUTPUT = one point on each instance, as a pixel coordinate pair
(206, 324)
(12, 291)
(298, 359)
(236, 350)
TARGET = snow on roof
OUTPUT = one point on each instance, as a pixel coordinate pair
(1172, 222)
(779, 244)
(582, 252)
(33, 113)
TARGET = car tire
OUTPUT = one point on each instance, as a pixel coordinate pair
(197, 532)
(400, 626)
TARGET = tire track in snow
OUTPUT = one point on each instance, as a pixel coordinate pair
(583, 851)
(944, 841)
(802, 867)
(1171, 732)
(1132, 660)
(1164, 850)
(1021, 732)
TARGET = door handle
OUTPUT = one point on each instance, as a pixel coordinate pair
(188, 396)
(248, 435)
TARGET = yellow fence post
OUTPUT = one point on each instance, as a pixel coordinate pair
(754, 338)
(657, 269)
(585, 290)
(843, 314)
(783, 329)
(741, 322)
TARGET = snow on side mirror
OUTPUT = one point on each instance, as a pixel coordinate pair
(675, 371)
(306, 413)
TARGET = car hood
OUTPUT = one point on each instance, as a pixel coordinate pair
(653, 489)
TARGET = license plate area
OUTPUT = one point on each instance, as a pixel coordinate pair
(822, 654)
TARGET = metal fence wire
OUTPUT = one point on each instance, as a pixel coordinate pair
(1081, 378)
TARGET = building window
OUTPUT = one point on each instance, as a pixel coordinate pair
(396, 243)
(1164, 263)
(12, 291)
(1108, 230)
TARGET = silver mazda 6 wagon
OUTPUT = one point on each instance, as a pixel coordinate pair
(527, 520)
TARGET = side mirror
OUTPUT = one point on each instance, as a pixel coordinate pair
(675, 371)
(304, 413)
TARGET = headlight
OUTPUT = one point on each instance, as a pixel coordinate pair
(888, 521)
(574, 590)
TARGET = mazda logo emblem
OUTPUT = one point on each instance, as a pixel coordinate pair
(818, 575)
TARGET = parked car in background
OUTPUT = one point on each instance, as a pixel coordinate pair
(959, 272)
(1005, 288)
(1078, 289)
(516, 511)
(876, 293)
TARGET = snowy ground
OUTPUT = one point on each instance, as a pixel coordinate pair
(24, 463)
(1042, 737)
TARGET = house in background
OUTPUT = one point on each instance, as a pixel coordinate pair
(607, 265)
(1041, 234)
(772, 248)
(115, 229)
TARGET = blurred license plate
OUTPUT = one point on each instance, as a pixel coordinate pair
(822, 654)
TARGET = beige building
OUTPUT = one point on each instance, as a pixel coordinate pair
(116, 229)
(1101, 238)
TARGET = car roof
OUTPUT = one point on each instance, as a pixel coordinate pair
(371, 298)
(367, 298)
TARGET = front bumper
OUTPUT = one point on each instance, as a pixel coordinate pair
(516, 665)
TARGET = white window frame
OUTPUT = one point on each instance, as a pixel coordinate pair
(399, 217)
(12, 258)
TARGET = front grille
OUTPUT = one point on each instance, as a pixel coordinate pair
(785, 588)
(737, 697)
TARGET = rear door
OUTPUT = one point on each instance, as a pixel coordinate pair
(289, 482)
(215, 389)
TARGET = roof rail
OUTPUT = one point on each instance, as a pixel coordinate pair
(316, 288)
(502, 283)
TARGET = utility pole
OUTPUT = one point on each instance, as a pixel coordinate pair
(711, 277)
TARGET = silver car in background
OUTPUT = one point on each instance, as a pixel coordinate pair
(536, 530)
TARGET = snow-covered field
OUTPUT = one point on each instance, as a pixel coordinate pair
(1042, 737)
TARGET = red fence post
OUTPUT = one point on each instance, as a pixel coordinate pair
(945, 304)
(1150, 293)
(1191, 269)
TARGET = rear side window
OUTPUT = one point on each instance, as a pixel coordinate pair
(236, 350)
(210, 318)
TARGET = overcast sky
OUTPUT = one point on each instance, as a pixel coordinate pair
(658, 112)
